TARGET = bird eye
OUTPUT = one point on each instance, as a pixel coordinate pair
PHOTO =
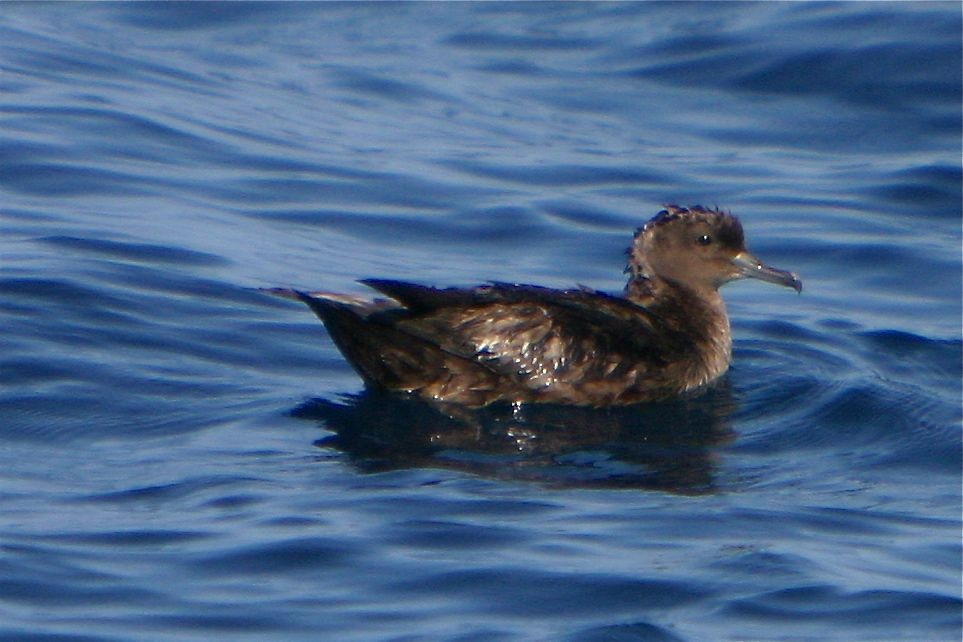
(705, 239)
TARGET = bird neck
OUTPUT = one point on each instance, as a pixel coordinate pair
(643, 286)
(704, 305)
(698, 316)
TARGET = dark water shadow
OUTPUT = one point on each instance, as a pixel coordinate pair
(670, 446)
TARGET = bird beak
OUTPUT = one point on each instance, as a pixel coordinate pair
(749, 266)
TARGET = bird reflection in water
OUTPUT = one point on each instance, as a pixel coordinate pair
(669, 446)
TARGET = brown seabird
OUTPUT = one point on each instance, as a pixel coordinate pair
(667, 335)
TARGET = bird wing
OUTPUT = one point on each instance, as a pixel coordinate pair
(538, 337)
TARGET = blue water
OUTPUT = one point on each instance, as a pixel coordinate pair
(184, 458)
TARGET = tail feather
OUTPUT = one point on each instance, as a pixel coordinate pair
(388, 357)
(361, 304)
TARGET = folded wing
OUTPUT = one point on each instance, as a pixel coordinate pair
(500, 342)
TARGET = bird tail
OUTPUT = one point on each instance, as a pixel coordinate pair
(387, 356)
(360, 340)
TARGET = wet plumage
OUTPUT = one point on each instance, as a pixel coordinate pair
(668, 333)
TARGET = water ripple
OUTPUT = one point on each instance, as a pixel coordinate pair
(184, 457)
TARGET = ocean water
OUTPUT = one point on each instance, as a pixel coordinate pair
(183, 458)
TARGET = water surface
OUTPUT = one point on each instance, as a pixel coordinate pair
(183, 458)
